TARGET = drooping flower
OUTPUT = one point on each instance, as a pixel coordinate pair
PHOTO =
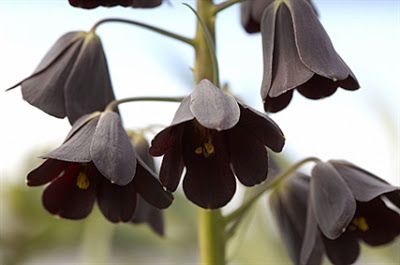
(298, 54)
(347, 205)
(289, 206)
(145, 212)
(89, 4)
(97, 162)
(72, 79)
(212, 135)
(251, 12)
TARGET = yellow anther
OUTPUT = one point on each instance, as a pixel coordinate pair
(360, 223)
(82, 181)
(206, 149)
(199, 150)
(209, 148)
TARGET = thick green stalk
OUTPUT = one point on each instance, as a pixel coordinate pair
(210, 222)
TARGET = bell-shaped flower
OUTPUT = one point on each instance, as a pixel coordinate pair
(72, 79)
(213, 135)
(89, 4)
(298, 54)
(289, 206)
(145, 212)
(97, 162)
(347, 205)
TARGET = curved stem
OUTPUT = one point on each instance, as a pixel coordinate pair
(146, 26)
(267, 186)
(222, 6)
(113, 104)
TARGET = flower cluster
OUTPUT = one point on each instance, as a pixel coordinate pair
(331, 211)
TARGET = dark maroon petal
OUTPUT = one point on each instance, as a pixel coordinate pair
(163, 141)
(342, 251)
(394, 197)
(248, 156)
(318, 87)
(63, 197)
(88, 87)
(77, 147)
(262, 127)
(145, 213)
(172, 163)
(278, 103)
(251, 12)
(314, 46)
(150, 188)
(382, 223)
(111, 150)
(332, 200)
(364, 185)
(117, 203)
(89, 4)
(44, 89)
(145, 3)
(213, 108)
(209, 181)
(287, 70)
(46, 172)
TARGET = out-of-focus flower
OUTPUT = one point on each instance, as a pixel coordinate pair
(145, 212)
(211, 135)
(289, 205)
(72, 79)
(89, 4)
(298, 54)
(347, 205)
(97, 162)
(251, 12)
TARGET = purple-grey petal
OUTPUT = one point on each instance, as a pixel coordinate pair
(46, 172)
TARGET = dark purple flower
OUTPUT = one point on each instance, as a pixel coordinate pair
(72, 79)
(298, 54)
(346, 205)
(212, 135)
(145, 212)
(89, 4)
(289, 206)
(251, 12)
(97, 162)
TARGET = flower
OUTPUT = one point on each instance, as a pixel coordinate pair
(289, 206)
(251, 12)
(211, 135)
(72, 79)
(109, 3)
(145, 212)
(298, 54)
(97, 162)
(347, 205)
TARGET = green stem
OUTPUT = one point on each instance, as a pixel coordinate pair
(238, 213)
(146, 26)
(113, 104)
(222, 6)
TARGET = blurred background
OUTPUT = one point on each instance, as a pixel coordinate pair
(362, 126)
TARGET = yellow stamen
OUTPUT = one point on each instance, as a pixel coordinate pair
(82, 181)
(360, 223)
(199, 150)
(207, 148)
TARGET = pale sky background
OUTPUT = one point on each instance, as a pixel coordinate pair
(361, 127)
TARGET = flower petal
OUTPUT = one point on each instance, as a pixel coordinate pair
(278, 103)
(364, 185)
(77, 147)
(314, 46)
(63, 197)
(111, 150)
(248, 156)
(117, 203)
(209, 181)
(262, 127)
(212, 108)
(287, 71)
(44, 89)
(150, 188)
(46, 172)
(145, 213)
(333, 202)
(342, 251)
(318, 87)
(88, 87)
